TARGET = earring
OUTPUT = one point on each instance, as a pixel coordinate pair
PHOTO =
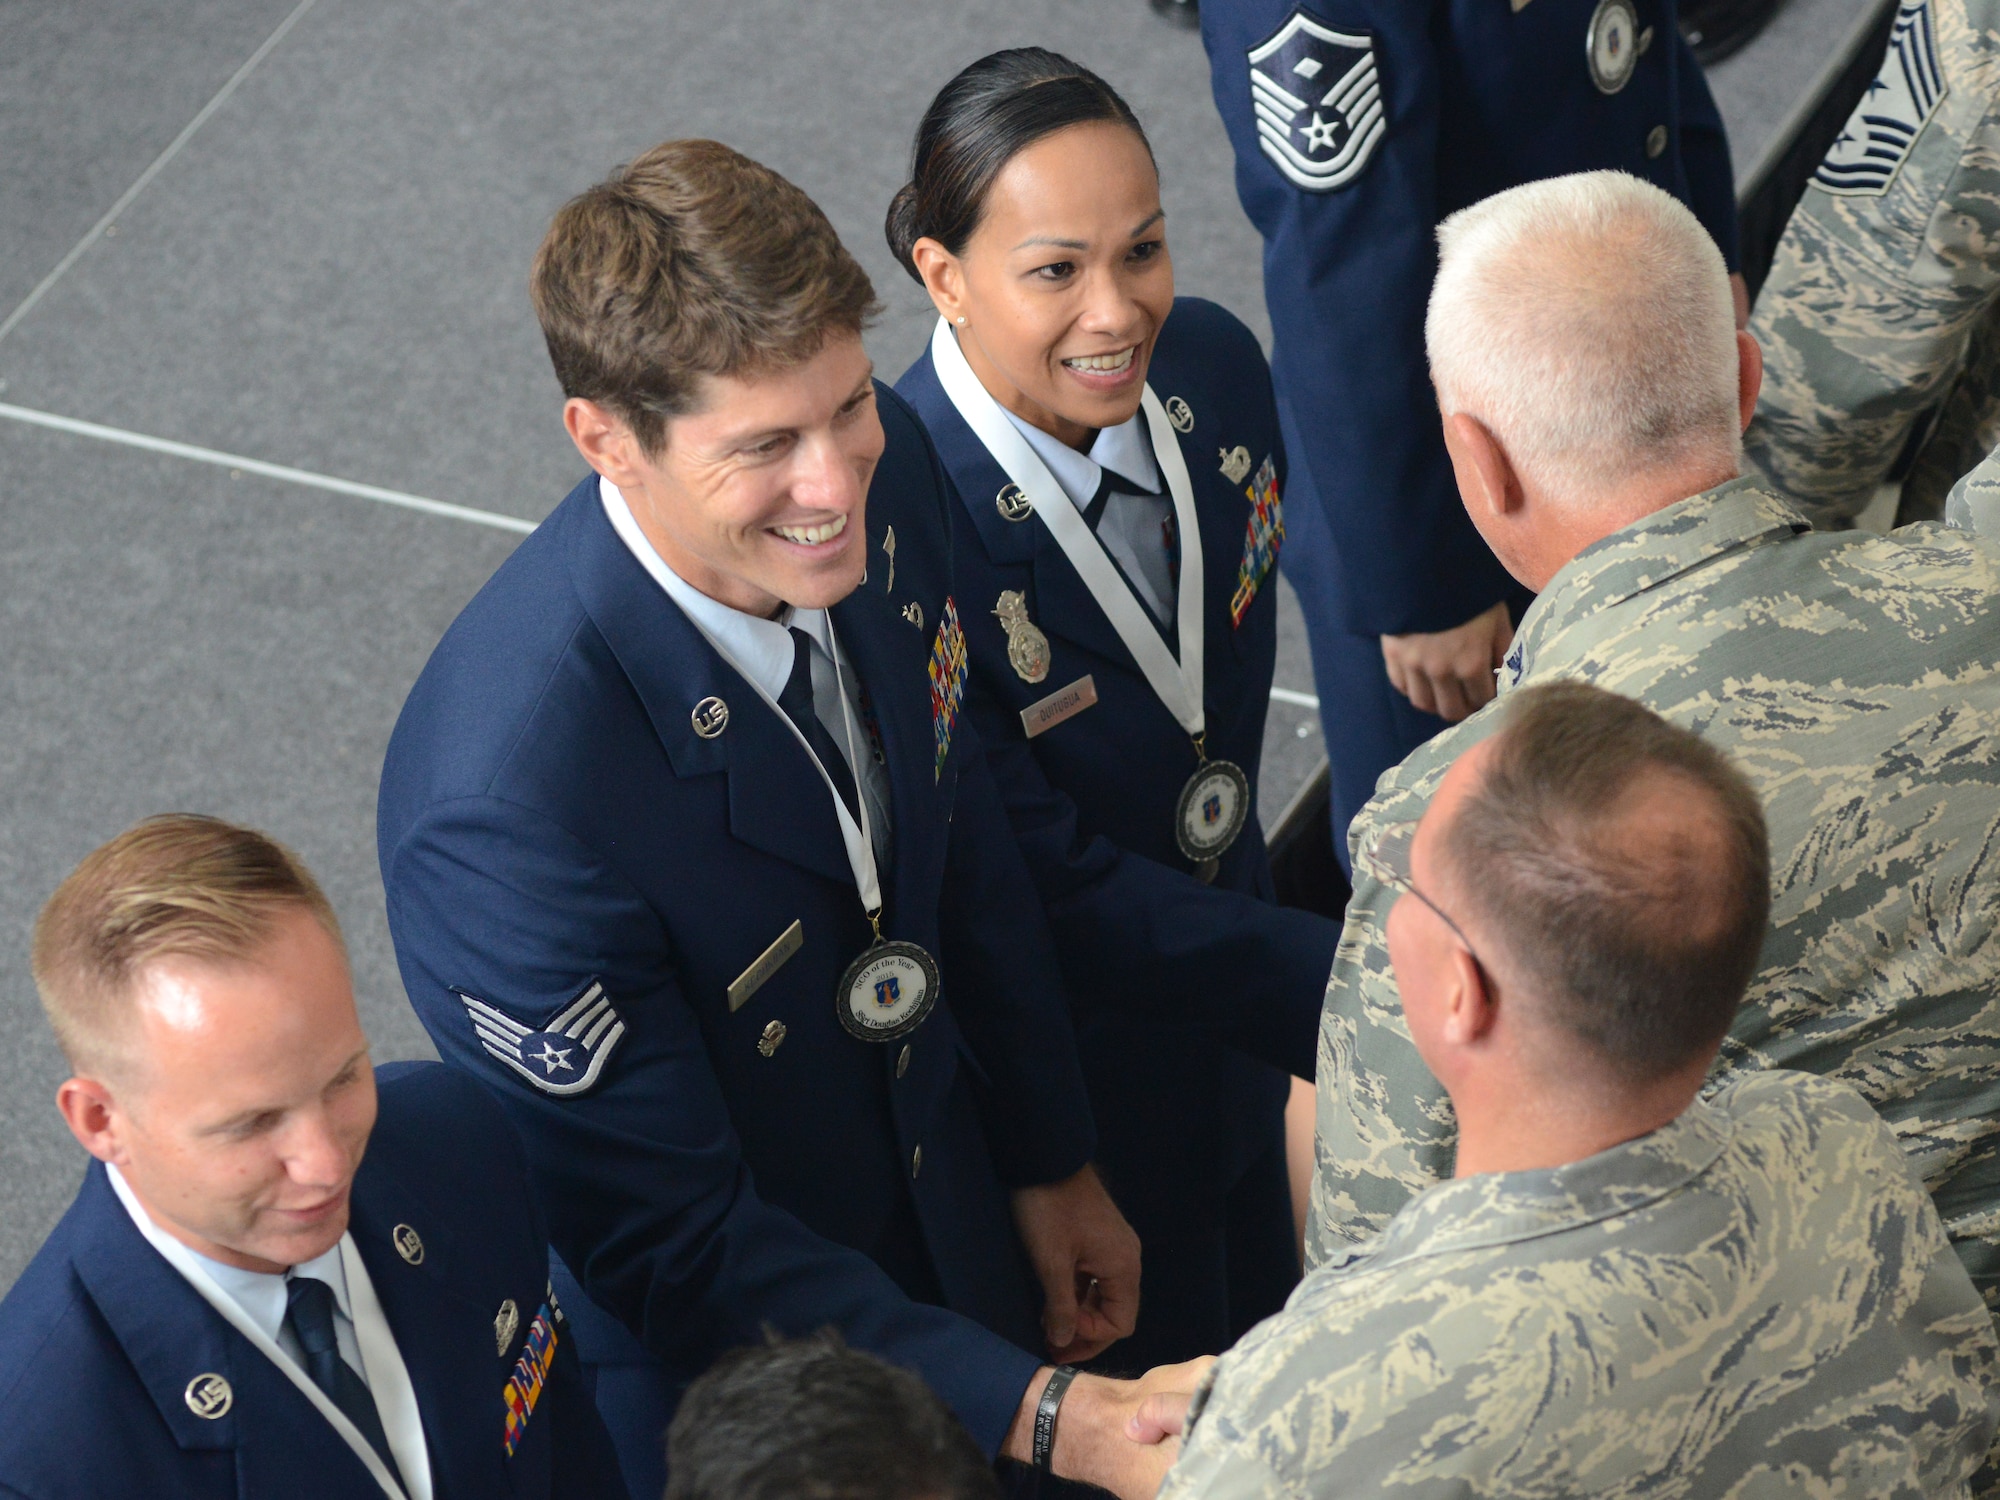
(961, 320)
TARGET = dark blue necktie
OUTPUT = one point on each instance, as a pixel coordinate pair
(797, 702)
(309, 1314)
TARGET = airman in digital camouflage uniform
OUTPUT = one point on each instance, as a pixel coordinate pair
(1856, 680)
(1628, 1290)
(1882, 311)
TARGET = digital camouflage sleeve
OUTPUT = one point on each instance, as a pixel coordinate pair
(1755, 1301)
(1881, 316)
(1856, 680)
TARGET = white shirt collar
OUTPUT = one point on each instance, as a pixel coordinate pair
(758, 648)
(1126, 450)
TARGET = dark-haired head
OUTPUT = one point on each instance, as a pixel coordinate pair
(994, 109)
(1033, 219)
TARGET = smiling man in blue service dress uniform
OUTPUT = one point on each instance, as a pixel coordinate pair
(237, 1305)
(692, 856)
(1358, 125)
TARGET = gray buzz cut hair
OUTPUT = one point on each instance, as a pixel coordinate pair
(1587, 322)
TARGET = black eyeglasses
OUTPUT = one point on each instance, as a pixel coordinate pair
(1386, 856)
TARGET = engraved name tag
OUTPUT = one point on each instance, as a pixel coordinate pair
(772, 959)
(1063, 703)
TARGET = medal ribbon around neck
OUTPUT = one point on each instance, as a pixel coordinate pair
(1177, 684)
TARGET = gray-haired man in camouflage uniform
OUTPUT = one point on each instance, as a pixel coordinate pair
(1583, 350)
(1627, 1290)
(1881, 316)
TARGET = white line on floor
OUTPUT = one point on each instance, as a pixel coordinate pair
(257, 466)
(1297, 700)
(125, 200)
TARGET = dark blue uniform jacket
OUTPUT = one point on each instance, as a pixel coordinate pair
(1092, 800)
(551, 823)
(107, 1338)
(1476, 96)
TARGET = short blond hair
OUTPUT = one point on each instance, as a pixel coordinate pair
(1587, 322)
(180, 885)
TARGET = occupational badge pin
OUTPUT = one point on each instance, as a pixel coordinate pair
(567, 1054)
(710, 717)
(889, 548)
(1235, 464)
(1027, 647)
(506, 1323)
(914, 613)
(773, 1037)
(409, 1244)
(209, 1396)
(1180, 414)
(1013, 504)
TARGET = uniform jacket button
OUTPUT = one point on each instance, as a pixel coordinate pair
(1656, 140)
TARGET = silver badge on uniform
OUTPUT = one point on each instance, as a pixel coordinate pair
(409, 1244)
(1235, 464)
(1318, 101)
(565, 1056)
(209, 1397)
(1611, 45)
(1013, 504)
(710, 717)
(1027, 647)
(1878, 136)
(505, 1324)
(1180, 414)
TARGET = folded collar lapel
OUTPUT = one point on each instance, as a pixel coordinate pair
(975, 474)
(778, 802)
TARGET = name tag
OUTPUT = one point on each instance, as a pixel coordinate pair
(772, 959)
(1063, 703)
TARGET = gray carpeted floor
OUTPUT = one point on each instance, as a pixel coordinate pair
(328, 273)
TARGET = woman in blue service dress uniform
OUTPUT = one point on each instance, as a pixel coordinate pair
(1119, 480)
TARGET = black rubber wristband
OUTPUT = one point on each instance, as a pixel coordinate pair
(1045, 1416)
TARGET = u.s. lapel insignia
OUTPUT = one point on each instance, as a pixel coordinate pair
(1027, 647)
(947, 674)
(1262, 539)
(563, 1057)
(1235, 464)
(889, 550)
(506, 1323)
(409, 1244)
(209, 1397)
(710, 717)
(1180, 414)
(1013, 504)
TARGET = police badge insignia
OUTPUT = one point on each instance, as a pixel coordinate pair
(1027, 647)
(947, 674)
(565, 1056)
(1265, 535)
(1318, 101)
(1878, 136)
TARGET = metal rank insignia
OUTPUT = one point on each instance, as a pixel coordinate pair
(1235, 464)
(1180, 414)
(1212, 809)
(887, 992)
(1027, 647)
(1013, 504)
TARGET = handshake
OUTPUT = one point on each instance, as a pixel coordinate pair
(1121, 1435)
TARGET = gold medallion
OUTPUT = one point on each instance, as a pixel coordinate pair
(1027, 647)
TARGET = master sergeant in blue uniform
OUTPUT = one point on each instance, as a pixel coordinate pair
(664, 792)
(1358, 125)
(1197, 994)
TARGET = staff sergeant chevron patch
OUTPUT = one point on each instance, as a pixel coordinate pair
(1877, 138)
(1318, 102)
(564, 1057)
